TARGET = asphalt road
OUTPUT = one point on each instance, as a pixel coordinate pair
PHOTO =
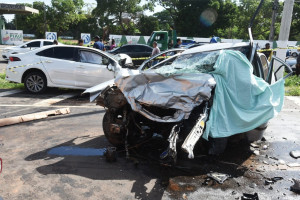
(61, 157)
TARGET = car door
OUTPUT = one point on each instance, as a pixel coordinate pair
(91, 70)
(60, 64)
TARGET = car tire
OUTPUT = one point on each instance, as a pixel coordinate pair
(35, 82)
(294, 54)
(115, 139)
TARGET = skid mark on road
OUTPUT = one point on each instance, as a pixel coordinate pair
(53, 100)
(6, 93)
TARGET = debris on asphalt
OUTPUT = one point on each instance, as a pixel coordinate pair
(33, 116)
(249, 196)
(256, 152)
(265, 147)
(273, 180)
(263, 139)
(254, 145)
(296, 187)
(184, 196)
(252, 185)
(206, 181)
(282, 162)
(295, 154)
(284, 138)
(293, 164)
(274, 158)
(233, 192)
(111, 154)
(220, 178)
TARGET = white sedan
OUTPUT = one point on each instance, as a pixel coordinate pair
(28, 46)
(64, 66)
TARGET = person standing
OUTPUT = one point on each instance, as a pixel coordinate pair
(80, 42)
(113, 44)
(178, 45)
(155, 51)
(98, 44)
(267, 51)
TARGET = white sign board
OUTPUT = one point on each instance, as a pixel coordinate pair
(51, 36)
(12, 37)
(86, 37)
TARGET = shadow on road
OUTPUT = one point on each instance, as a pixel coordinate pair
(85, 160)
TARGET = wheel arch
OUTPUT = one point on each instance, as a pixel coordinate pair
(32, 70)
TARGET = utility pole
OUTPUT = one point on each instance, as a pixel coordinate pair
(45, 23)
(274, 15)
(284, 33)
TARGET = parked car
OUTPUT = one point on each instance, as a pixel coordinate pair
(159, 57)
(27, 46)
(186, 42)
(294, 50)
(63, 66)
(194, 45)
(172, 100)
(135, 51)
(292, 63)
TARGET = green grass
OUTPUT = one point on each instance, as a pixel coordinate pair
(4, 84)
(292, 86)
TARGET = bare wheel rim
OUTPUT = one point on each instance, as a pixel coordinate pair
(35, 83)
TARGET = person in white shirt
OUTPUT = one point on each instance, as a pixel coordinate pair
(155, 51)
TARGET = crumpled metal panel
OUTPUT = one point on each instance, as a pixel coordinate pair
(182, 92)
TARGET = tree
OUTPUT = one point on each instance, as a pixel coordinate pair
(122, 13)
(66, 12)
(164, 19)
(148, 24)
(33, 23)
(295, 32)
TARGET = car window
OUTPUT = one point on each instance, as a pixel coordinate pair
(138, 49)
(265, 66)
(65, 53)
(159, 37)
(47, 43)
(34, 44)
(90, 57)
(125, 49)
(47, 53)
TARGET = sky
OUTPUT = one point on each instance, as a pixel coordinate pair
(10, 17)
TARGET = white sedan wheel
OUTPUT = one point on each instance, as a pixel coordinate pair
(35, 82)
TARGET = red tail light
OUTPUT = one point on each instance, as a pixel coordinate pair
(14, 59)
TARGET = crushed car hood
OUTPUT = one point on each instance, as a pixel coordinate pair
(180, 92)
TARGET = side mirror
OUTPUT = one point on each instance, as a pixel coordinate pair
(24, 46)
(109, 67)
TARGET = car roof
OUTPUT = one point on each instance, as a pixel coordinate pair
(135, 45)
(39, 40)
(73, 46)
(214, 46)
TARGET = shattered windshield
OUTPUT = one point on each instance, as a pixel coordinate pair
(191, 63)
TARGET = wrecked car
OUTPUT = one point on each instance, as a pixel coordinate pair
(211, 92)
(208, 95)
